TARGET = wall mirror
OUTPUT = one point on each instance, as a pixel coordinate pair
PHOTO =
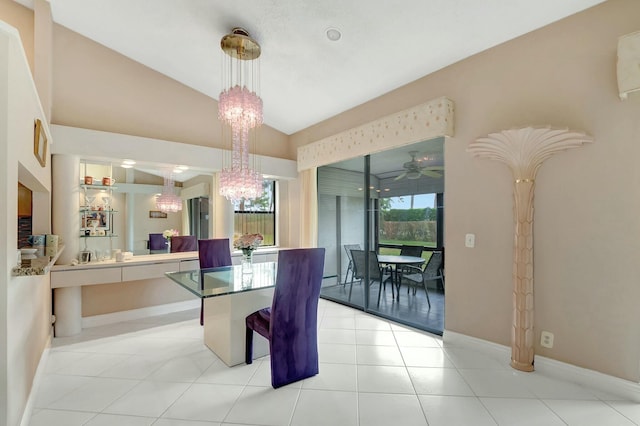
(125, 195)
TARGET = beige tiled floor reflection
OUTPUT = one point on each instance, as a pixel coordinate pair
(158, 372)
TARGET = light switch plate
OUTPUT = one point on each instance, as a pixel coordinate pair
(470, 240)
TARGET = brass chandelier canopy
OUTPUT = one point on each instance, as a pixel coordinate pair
(240, 45)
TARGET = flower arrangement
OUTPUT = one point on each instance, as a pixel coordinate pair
(168, 233)
(248, 242)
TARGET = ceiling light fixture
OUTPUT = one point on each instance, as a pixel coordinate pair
(127, 164)
(168, 201)
(240, 109)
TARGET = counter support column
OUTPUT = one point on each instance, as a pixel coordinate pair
(67, 307)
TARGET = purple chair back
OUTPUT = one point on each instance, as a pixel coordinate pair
(184, 243)
(214, 252)
(294, 315)
(157, 242)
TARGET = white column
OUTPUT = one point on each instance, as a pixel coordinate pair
(221, 212)
(130, 212)
(130, 202)
(68, 311)
(65, 206)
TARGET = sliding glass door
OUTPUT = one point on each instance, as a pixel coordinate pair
(377, 205)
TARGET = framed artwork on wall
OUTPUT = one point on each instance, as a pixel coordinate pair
(40, 143)
(156, 214)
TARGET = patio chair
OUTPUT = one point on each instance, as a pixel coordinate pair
(376, 272)
(411, 251)
(291, 323)
(414, 276)
(348, 248)
(406, 250)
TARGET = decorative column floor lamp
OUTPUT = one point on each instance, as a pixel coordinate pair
(524, 150)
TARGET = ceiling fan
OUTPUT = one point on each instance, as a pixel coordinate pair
(414, 169)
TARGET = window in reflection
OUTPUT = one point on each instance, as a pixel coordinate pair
(258, 215)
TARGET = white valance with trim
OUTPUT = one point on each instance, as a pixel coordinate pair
(423, 122)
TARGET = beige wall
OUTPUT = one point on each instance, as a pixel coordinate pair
(586, 206)
(97, 88)
(22, 19)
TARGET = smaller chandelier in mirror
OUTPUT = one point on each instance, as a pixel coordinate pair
(168, 201)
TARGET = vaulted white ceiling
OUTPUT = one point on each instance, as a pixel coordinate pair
(305, 77)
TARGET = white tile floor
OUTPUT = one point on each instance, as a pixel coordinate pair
(373, 372)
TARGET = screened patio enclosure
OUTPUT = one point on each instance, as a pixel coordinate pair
(382, 202)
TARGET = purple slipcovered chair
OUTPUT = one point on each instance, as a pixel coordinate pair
(290, 324)
(184, 243)
(157, 242)
(213, 253)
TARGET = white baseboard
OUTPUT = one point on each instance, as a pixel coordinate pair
(134, 314)
(552, 368)
(35, 385)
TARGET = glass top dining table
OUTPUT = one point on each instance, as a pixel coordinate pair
(228, 296)
(225, 280)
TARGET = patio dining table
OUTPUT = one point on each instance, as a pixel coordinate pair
(397, 261)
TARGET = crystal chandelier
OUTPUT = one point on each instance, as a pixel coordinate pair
(240, 108)
(168, 201)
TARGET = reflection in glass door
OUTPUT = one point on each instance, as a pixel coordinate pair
(341, 229)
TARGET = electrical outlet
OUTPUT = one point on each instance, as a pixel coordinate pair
(546, 339)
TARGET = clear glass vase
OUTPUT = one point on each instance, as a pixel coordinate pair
(247, 261)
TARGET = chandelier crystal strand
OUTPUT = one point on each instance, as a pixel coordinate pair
(240, 108)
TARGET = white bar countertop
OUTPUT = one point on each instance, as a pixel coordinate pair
(146, 259)
(39, 266)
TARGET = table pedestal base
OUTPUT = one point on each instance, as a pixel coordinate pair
(224, 324)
